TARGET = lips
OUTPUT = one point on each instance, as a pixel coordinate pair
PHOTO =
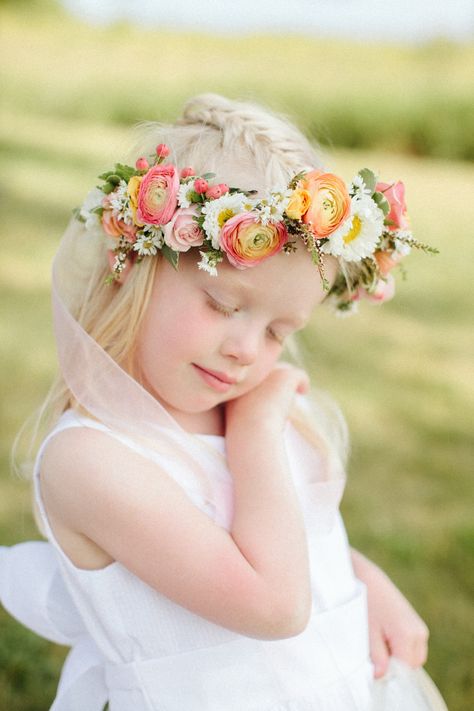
(217, 380)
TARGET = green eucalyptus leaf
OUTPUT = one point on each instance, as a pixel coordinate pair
(208, 176)
(108, 188)
(368, 176)
(170, 255)
(382, 202)
(114, 179)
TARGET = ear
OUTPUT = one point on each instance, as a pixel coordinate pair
(122, 279)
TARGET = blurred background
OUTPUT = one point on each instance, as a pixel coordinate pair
(383, 85)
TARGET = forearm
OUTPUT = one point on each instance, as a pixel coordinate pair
(268, 524)
(369, 573)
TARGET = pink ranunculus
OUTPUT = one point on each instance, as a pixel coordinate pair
(157, 195)
(183, 232)
(395, 194)
(247, 242)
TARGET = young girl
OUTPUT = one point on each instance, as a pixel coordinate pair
(189, 487)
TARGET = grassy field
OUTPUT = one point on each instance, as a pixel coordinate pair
(401, 372)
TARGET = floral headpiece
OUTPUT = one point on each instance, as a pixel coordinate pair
(156, 208)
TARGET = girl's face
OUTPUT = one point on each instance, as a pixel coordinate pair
(206, 340)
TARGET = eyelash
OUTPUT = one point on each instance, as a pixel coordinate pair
(227, 313)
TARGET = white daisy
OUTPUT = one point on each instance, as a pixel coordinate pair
(217, 212)
(359, 235)
(206, 264)
(149, 242)
(183, 193)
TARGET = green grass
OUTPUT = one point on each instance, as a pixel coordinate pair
(402, 372)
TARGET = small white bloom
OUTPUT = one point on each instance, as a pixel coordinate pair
(273, 208)
(149, 242)
(359, 235)
(183, 193)
(217, 212)
(343, 309)
(205, 265)
(93, 199)
(119, 196)
(359, 186)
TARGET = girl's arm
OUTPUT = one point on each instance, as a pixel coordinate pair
(395, 629)
(253, 579)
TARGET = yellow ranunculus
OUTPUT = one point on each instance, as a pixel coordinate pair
(133, 188)
(299, 204)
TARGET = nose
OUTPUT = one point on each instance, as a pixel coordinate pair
(242, 345)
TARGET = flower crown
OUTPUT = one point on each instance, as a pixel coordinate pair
(156, 208)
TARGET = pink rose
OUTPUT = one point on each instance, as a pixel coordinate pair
(183, 232)
(395, 194)
(247, 242)
(156, 200)
(384, 291)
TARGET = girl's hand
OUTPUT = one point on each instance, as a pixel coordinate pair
(270, 402)
(395, 629)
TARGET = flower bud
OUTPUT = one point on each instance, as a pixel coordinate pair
(187, 172)
(162, 150)
(200, 186)
(141, 164)
(214, 192)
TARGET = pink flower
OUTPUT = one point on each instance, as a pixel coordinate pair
(200, 185)
(247, 242)
(183, 232)
(395, 194)
(162, 150)
(156, 200)
(384, 290)
(187, 172)
(141, 164)
(386, 261)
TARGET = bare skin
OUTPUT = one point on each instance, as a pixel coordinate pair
(253, 579)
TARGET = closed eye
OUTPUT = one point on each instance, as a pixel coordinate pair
(221, 308)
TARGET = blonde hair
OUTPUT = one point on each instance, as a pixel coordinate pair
(245, 145)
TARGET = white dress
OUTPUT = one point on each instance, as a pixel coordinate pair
(140, 651)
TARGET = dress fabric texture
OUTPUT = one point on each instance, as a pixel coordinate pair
(137, 650)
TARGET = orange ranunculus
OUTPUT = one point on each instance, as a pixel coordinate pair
(299, 203)
(247, 242)
(330, 202)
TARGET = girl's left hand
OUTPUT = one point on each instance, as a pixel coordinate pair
(395, 629)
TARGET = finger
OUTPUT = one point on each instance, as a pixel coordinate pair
(379, 653)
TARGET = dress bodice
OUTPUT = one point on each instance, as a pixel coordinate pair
(151, 653)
